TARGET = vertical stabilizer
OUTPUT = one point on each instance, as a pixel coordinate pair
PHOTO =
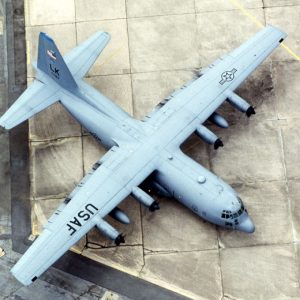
(52, 63)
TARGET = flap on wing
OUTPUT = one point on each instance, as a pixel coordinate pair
(111, 159)
(63, 205)
(35, 98)
(81, 58)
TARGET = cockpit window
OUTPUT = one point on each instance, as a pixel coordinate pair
(227, 214)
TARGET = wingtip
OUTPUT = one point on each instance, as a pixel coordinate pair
(5, 125)
(284, 34)
(104, 33)
(107, 35)
(18, 276)
(2, 124)
(99, 34)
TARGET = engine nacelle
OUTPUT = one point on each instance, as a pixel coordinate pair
(218, 120)
(208, 136)
(144, 198)
(109, 231)
(240, 103)
(119, 215)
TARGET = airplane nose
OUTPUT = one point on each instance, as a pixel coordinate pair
(246, 226)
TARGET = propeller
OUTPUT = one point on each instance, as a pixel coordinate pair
(120, 239)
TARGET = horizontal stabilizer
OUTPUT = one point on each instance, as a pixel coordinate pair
(81, 58)
(37, 97)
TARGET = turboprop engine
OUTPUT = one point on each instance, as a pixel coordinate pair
(144, 198)
(119, 215)
(208, 136)
(109, 231)
(239, 103)
(218, 120)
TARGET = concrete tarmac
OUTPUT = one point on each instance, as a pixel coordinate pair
(156, 47)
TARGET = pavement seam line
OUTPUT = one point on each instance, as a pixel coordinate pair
(133, 113)
(289, 202)
(246, 12)
(130, 64)
(81, 127)
(250, 16)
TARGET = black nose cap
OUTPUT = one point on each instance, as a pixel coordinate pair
(250, 111)
(154, 206)
(218, 143)
(119, 239)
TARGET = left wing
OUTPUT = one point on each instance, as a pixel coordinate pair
(112, 179)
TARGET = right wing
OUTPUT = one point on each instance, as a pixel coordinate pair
(111, 180)
(81, 58)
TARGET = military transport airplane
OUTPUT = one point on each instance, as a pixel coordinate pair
(142, 153)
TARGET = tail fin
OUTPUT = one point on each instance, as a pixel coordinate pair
(52, 63)
(41, 94)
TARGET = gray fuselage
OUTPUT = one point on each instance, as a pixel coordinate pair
(187, 181)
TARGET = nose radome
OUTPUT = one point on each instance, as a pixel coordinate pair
(246, 226)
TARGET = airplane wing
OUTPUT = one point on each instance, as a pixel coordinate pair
(81, 58)
(198, 99)
(111, 180)
(36, 98)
